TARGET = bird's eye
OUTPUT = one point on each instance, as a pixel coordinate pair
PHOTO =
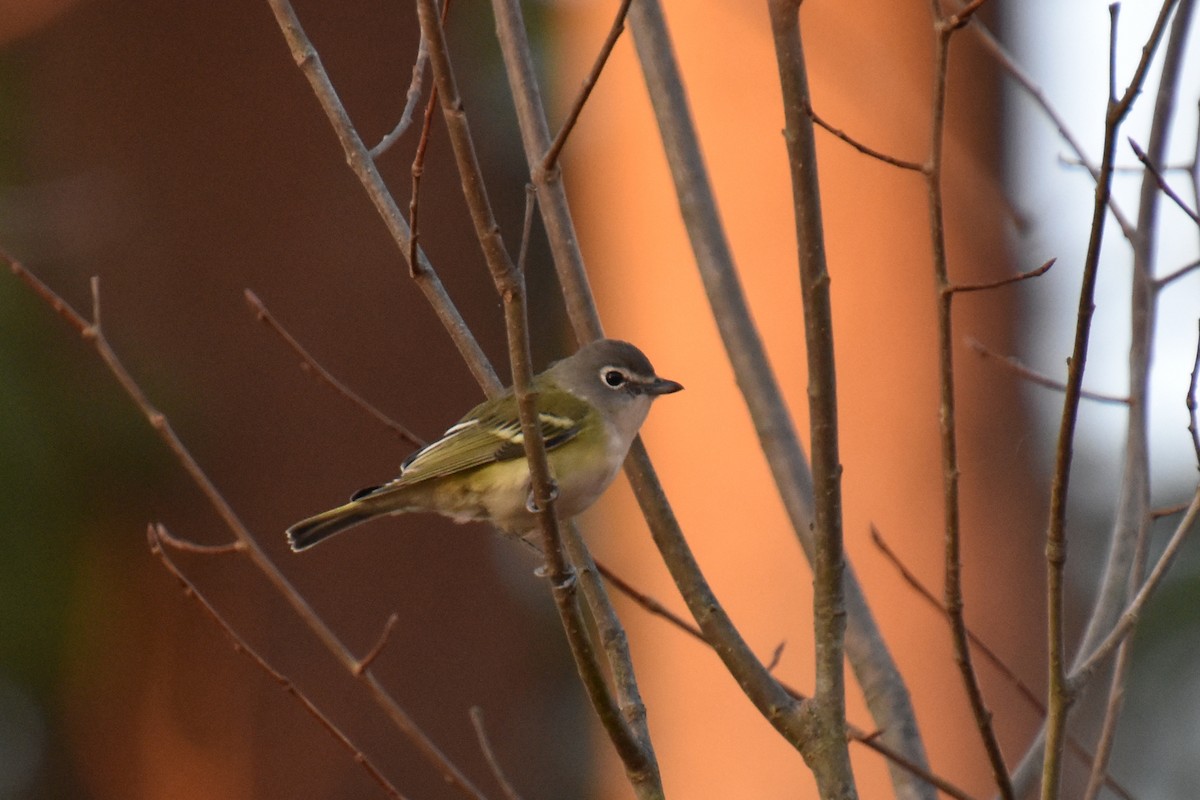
(614, 378)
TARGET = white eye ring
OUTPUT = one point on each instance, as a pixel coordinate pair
(613, 378)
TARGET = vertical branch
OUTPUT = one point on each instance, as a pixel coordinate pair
(944, 29)
(639, 761)
(1126, 563)
(832, 768)
(1061, 691)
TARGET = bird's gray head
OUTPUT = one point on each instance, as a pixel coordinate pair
(615, 377)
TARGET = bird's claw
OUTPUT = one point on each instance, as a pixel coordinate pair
(531, 503)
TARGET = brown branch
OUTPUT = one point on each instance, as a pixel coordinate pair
(953, 592)
(1168, 511)
(1062, 690)
(610, 41)
(410, 102)
(162, 426)
(1162, 182)
(996, 284)
(157, 535)
(825, 752)
(185, 546)
(360, 161)
(871, 740)
(1193, 427)
(366, 661)
(990, 655)
(925, 594)
(1009, 65)
(311, 365)
(417, 170)
(1132, 612)
(859, 146)
(1016, 367)
(1183, 271)
(489, 755)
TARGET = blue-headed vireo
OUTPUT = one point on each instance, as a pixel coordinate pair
(590, 407)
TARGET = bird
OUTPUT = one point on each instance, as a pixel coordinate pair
(590, 407)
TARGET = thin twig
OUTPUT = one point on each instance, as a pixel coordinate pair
(990, 655)
(776, 656)
(1009, 65)
(162, 426)
(1132, 612)
(157, 536)
(859, 146)
(1171, 277)
(963, 16)
(951, 508)
(1193, 427)
(366, 661)
(185, 546)
(489, 754)
(1162, 182)
(410, 102)
(417, 170)
(311, 365)
(1016, 367)
(1126, 563)
(359, 159)
(996, 284)
(1168, 511)
(585, 91)
(925, 594)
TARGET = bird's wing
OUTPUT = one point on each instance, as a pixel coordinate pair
(492, 432)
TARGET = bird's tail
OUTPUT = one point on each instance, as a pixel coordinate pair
(305, 533)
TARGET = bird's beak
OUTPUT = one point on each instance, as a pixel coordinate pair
(661, 386)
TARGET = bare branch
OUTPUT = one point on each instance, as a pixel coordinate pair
(366, 661)
(1129, 617)
(410, 102)
(359, 159)
(945, 290)
(311, 365)
(1009, 65)
(859, 146)
(157, 535)
(989, 655)
(162, 426)
(996, 284)
(872, 740)
(1162, 182)
(1016, 367)
(162, 535)
(610, 41)
(1184, 271)
(1193, 427)
(1133, 506)
(826, 752)
(489, 755)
